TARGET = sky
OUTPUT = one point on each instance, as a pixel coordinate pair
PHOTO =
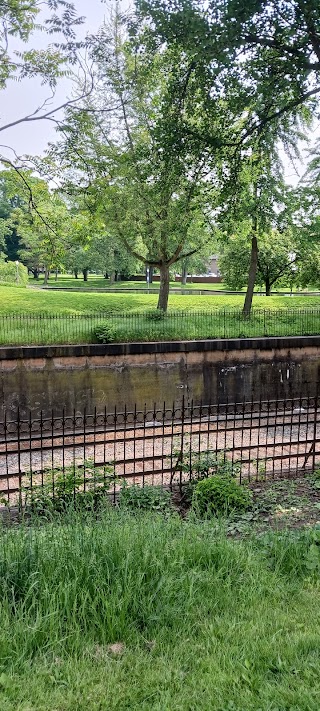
(19, 99)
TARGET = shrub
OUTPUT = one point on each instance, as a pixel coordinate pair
(67, 493)
(105, 333)
(209, 463)
(13, 274)
(155, 315)
(147, 498)
(220, 495)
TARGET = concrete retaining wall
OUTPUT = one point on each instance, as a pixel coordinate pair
(73, 377)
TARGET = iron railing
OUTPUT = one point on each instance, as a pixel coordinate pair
(166, 446)
(46, 329)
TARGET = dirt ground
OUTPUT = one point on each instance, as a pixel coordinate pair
(281, 504)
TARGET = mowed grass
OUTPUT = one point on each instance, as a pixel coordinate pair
(40, 301)
(37, 317)
(199, 622)
(95, 281)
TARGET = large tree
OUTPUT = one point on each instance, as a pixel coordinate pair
(279, 260)
(43, 231)
(145, 186)
(264, 56)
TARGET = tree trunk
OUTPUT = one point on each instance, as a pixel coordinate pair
(184, 275)
(46, 276)
(75, 271)
(252, 276)
(164, 287)
(36, 273)
(268, 286)
(112, 276)
(106, 275)
(56, 275)
(150, 275)
(85, 274)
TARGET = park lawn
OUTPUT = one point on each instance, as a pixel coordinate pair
(153, 613)
(13, 300)
(96, 281)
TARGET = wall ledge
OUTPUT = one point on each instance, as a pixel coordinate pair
(154, 347)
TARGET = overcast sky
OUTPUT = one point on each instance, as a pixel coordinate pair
(20, 99)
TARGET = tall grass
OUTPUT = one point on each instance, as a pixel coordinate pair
(202, 622)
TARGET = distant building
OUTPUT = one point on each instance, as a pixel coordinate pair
(213, 268)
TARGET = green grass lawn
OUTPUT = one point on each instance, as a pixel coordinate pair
(35, 316)
(149, 613)
(98, 282)
(13, 300)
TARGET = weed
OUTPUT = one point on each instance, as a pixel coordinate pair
(147, 498)
(220, 495)
(64, 490)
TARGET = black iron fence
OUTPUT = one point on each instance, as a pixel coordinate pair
(95, 327)
(166, 446)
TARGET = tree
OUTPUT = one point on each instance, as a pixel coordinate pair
(8, 202)
(20, 20)
(43, 232)
(278, 259)
(275, 46)
(145, 188)
(202, 234)
(262, 57)
(98, 253)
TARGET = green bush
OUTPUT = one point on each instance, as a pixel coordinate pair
(13, 274)
(147, 498)
(208, 463)
(155, 315)
(105, 333)
(220, 495)
(63, 491)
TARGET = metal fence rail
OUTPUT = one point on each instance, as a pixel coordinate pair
(45, 329)
(165, 446)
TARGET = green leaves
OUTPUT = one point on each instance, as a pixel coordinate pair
(19, 20)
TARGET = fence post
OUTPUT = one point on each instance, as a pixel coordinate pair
(315, 422)
(182, 441)
(19, 459)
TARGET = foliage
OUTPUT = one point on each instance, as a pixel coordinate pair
(257, 63)
(147, 498)
(142, 188)
(267, 54)
(105, 333)
(156, 315)
(208, 463)
(40, 219)
(63, 491)
(279, 259)
(20, 20)
(220, 495)
(13, 274)
(20, 59)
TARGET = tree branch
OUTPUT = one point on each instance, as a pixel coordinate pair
(282, 47)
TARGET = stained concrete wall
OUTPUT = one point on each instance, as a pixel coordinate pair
(74, 377)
